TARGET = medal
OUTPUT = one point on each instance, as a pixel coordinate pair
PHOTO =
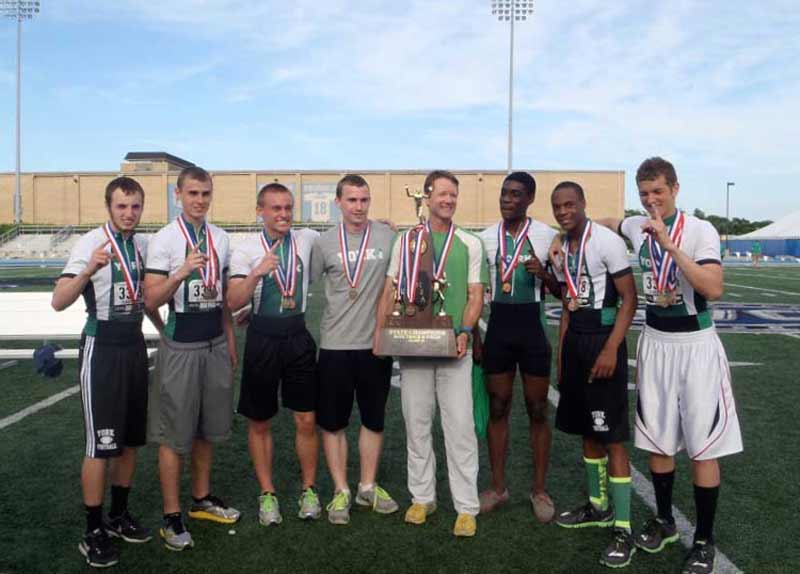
(353, 275)
(209, 293)
(411, 310)
(439, 263)
(663, 265)
(210, 272)
(285, 275)
(133, 285)
(507, 264)
(574, 282)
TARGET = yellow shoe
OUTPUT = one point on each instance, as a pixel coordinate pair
(465, 525)
(418, 512)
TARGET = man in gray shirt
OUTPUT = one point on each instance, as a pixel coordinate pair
(354, 257)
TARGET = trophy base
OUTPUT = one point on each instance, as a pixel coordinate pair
(417, 336)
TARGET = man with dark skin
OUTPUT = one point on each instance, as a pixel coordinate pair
(593, 366)
(515, 336)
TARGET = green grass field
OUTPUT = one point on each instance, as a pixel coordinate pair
(43, 517)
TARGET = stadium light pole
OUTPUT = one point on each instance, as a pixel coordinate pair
(19, 10)
(511, 11)
(728, 187)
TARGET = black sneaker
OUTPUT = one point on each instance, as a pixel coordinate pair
(700, 559)
(585, 516)
(128, 528)
(656, 534)
(618, 553)
(98, 549)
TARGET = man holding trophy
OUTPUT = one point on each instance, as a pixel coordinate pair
(434, 292)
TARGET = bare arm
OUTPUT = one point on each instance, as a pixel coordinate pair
(230, 334)
(472, 313)
(241, 289)
(68, 289)
(155, 319)
(606, 361)
(382, 309)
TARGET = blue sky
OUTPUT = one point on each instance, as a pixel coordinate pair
(371, 84)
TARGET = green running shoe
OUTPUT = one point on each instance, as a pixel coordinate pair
(310, 508)
(269, 511)
(378, 499)
(339, 508)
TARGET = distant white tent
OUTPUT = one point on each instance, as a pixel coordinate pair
(787, 227)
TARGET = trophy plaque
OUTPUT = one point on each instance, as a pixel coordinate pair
(412, 329)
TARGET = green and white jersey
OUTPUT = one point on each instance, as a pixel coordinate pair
(193, 316)
(267, 296)
(107, 295)
(690, 312)
(605, 258)
(525, 287)
(465, 265)
(347, 323)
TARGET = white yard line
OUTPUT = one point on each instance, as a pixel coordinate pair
(763, 289)
(36, 407)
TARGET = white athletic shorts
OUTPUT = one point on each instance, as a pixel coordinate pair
(685, 398)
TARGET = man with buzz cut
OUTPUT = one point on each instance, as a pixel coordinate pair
(593, 367)
(271, 271)
(685, 397)
(191, 399)
(518, 251)
(353, 256)
(459, 269)
(106, 268)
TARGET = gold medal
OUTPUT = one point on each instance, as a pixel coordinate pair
(288, 303)
(209, 293)
(506, 287)
(573, 305)
(423, 247)
(353, 294)
(436, 286)
(411, 310)
(666, 299)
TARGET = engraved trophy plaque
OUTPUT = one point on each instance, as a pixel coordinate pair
(412, 329)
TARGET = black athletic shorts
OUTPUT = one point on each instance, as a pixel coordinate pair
(278, 352)
(598, 409)
(113, 375)
(343, 374)
(515, 338)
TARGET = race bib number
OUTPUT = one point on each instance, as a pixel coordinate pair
(651, 291)
(584, 291)
(195, 291)
(122, 295)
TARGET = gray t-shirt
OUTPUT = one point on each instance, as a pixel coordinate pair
(350, 324)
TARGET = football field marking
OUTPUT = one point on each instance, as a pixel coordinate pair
(36, 407)
(763, 290)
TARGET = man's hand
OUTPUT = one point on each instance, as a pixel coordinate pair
(461, 344)
(656, 228)
(535, 267)
(605, 364)
(99, 259)
(194, 261)
(267, 265)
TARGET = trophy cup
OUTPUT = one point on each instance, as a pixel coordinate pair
(412, 329)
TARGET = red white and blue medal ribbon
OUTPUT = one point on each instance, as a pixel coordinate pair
(353, 275)
(662, 263)
(285, 276)
(507, 266)
(440, 262)
(125, 263)
(411, 263)
(573, 282)
(210, 273)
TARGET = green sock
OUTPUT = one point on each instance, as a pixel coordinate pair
(597, 476)
(620, 487)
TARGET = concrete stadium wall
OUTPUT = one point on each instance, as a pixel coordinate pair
(77, 198)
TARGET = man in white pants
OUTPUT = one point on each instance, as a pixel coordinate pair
(459, 256)
(685, 398)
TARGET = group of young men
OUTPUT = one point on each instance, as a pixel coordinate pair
(684, 401)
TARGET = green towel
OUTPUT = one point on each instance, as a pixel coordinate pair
(480, 401)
